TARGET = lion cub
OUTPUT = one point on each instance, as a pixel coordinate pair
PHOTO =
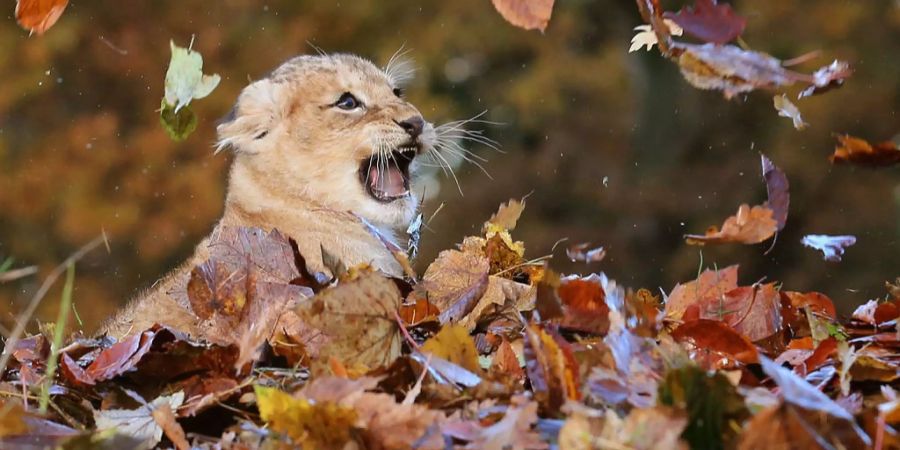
(320, 139)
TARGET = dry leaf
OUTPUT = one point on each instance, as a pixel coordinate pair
(311, 424)
(829, 77)
(711, 284)
(853, 150)
(454, 344)
(748, 226)
(551, 368)
(455, 281)
(165, 418)
(527, 14)
(646, 37)
(832, 247)
(582, 252)
(753, 311)
(730, 69)
(709, 21)
(37, 16)
(584, 305)
(138, 423)
(508, 214)
(358, 319)
(778, 190)
(717, 337)
(787, 109)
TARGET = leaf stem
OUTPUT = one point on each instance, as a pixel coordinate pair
(65, 304)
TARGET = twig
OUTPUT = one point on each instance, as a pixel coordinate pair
(405, 333)
(15, 274)
(23, 318)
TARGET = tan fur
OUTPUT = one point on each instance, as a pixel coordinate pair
(296, 168)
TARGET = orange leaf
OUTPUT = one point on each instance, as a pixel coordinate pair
(748, 226)
(527, 14)
(584, 306)
(710, 284)
(37, 16)
(420, 311)
(853, 150)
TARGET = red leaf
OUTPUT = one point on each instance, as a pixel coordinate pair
(709, 21)
(715, 336)
(853, 150)
(37, 16)
(121, 357)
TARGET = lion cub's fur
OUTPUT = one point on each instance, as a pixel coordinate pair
(296, 168)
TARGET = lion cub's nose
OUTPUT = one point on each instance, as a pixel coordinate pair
(413, 126)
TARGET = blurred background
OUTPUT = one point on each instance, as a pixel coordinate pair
(613, 148)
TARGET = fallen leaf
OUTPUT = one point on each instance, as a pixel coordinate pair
(715, 409)
(753, 311)
(421, 310)
(584, 305)
(787, 109)
(506, 361)
(310, 424)
(454, 344)
(455, 281)
(527, 14)
(777, 189)
(37, 16)
(646, 37)
(551, 368)
(709, 21)
(748, 226)
(715, 336)
(120, 358)
(582, 252)
(12, 421)
(165, 418)
(832, 247)
(138, 423)
(853, 150)
(358, 319)
(513, 431)
(711, 284)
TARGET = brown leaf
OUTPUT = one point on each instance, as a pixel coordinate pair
(551, 368)
(513, 431)
(711, 284)
(854, 150)
(753, 311)
(455, 281)
(730, 69)
(37, 16)
(527, 14)
(714, 336)
(165, 418)
(778, 190)
(748, 226)
(506, 362)
(357, 316)
(508, 213)
(120, 358)
(12, 421)
(709, 21)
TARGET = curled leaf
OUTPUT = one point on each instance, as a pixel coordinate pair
(709, 21)
(748, 226)
(527, 14)
(853, 150)
(37, 16)
(787, 109)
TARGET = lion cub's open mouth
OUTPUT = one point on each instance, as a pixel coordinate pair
(387, 178)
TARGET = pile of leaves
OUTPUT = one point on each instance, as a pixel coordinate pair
(486, 349)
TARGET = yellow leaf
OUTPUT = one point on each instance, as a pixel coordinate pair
(11, 421)
(319, 425)
(454, 344)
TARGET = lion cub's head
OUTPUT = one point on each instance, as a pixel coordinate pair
(331, 131)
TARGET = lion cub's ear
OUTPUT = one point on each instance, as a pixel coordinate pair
(254, 115)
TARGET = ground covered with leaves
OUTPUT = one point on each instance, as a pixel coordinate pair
(486, 350)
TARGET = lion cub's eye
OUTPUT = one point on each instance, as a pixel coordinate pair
(348, 102)
(398, 92)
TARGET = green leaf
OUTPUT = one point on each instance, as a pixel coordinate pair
(185, 80)
(178, 124)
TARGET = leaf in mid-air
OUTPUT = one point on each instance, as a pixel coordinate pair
(185, 81)
(527, 14)
(37, 16)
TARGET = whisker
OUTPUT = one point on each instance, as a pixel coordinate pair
(452, 173)
(467, 159)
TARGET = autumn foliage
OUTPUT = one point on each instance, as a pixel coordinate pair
(490, 347)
